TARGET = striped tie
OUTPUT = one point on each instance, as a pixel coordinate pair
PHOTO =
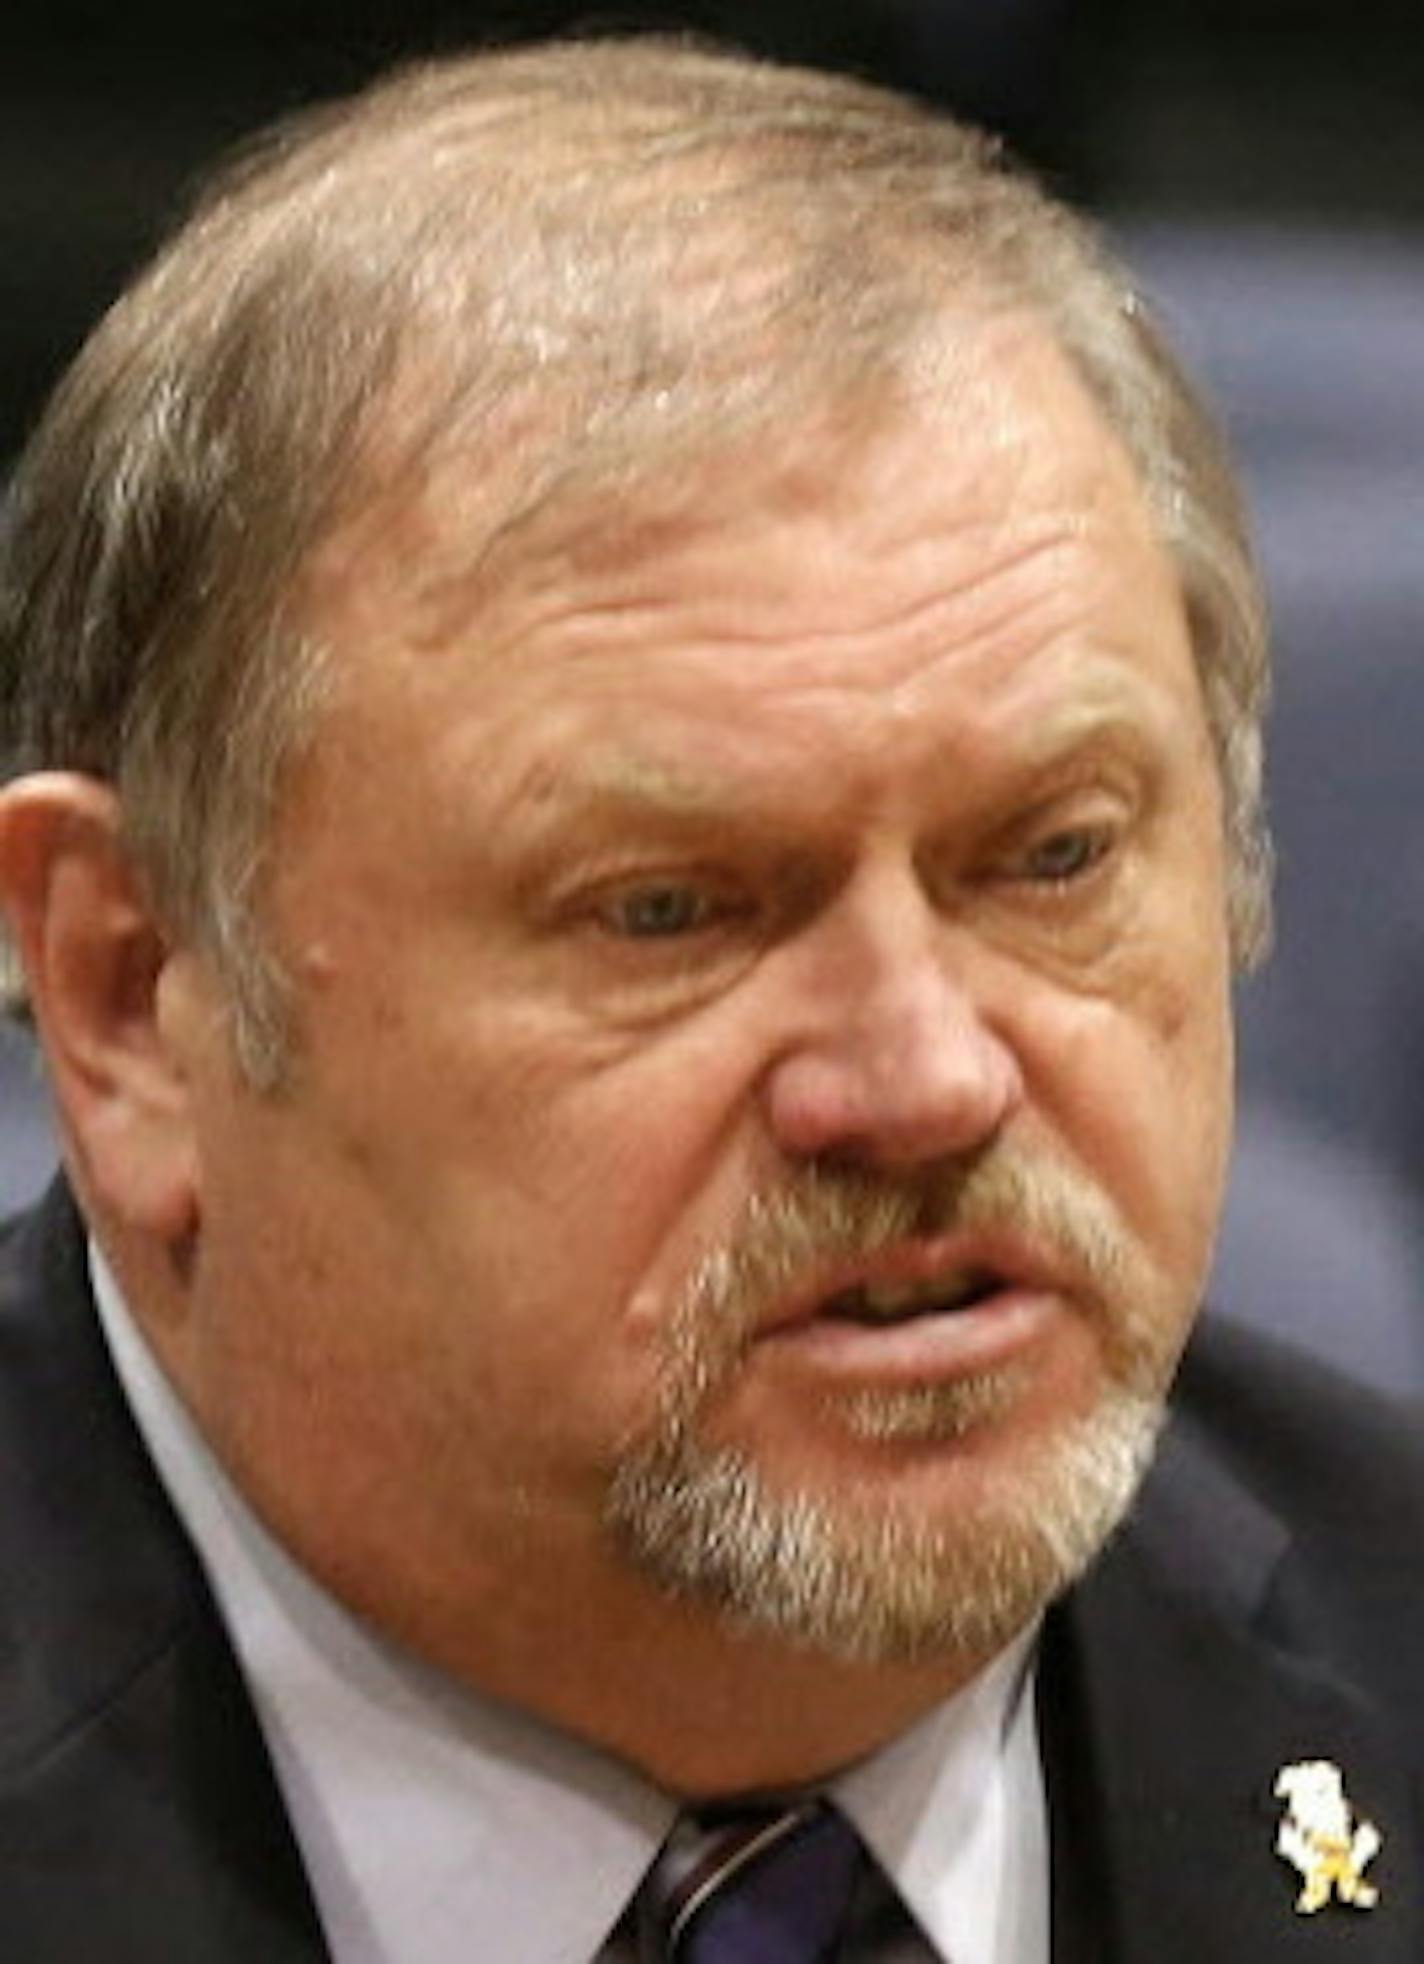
(765, 1886)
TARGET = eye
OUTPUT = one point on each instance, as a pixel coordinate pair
(1067, 855)
(659, 911)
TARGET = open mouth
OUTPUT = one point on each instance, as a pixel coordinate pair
(920, 1316)
(875, 1304)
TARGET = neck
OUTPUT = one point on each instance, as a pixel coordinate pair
(696, 1707)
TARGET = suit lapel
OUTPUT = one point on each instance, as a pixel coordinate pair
(156, 1831)
(139, 1816)
(1166, 1714)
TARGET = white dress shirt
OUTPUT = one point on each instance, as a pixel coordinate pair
(437, 1825)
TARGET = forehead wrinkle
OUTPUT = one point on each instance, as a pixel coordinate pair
(1118, 716)
(784, 619)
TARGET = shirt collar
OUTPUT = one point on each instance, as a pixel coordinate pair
(427, 1814)
(954, 1811)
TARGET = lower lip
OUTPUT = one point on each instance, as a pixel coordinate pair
(960, 1343)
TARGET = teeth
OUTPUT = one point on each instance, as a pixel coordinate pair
(875, 1302)
(895, 1298)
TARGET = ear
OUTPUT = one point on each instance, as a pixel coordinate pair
(99, 970)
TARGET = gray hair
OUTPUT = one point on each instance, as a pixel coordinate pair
(567, 266)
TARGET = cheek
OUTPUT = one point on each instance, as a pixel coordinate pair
(1140, 1087)
(459, 1332)
(542, 1203)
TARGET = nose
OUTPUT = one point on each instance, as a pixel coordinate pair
(895, 1061)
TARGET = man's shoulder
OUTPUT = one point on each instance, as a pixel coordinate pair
(32, 1238)
(1293, 1497)
(96, 1576)
(1333, 1455)
(1278, 1540)
(1263, 1605)
(49, 1343)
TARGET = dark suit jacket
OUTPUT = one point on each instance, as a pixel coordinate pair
(1265, 1604)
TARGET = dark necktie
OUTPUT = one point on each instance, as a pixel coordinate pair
(764, 1886)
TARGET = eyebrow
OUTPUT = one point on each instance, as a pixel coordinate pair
(622, 782)
(626, 779)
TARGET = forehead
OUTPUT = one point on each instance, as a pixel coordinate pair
(982, 466)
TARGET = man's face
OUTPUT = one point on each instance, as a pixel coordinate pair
(761, 1075)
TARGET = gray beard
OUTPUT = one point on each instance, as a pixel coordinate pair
(864, 1582)
(853, 1573)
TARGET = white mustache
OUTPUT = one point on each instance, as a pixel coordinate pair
(817, 1219)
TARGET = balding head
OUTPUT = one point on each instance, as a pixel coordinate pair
(574, 271)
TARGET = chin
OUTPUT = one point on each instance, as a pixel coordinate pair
(944, 1519)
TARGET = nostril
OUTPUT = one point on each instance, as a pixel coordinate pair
(847, 1100)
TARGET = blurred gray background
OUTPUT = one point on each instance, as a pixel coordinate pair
(1262, 164)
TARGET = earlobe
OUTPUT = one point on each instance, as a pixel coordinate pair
(94, 956)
